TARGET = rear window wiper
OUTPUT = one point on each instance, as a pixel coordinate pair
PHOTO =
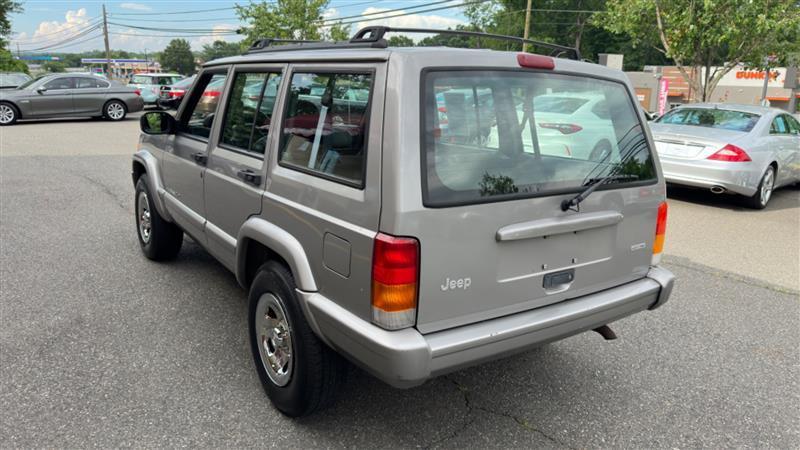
(592, 184)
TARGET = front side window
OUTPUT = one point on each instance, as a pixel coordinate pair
(60, 83)
(325, 123)
(202, 107)
(249, 112)
(711, 118)
(141, 79)
(496, 135)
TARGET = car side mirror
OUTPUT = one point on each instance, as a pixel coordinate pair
(41, 89)
(158, 122)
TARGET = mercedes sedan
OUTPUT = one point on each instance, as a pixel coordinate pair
(68, 95)
(738, 149)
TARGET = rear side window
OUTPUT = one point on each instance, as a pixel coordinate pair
(325, 123)
(711, 118)
(486, 139)
(139, 79)
(249, 115)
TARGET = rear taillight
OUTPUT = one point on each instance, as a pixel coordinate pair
(730, 153)
(395, 281)
(137, 91)
(211, 94)
(661, 228)
(176, 93)
(535, 61)
(564, 128)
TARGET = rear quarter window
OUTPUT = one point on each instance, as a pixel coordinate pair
(493, 135)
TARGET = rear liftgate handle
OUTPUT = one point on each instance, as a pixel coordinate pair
(249, 176)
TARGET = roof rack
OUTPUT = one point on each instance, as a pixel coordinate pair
(284, 45)
(376, 33)
(372, 37)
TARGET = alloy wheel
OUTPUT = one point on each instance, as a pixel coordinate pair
(115, 111)
(767, 185)
(7, 114)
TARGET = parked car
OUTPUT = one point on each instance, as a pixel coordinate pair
(738, 149)
(65, 95)
(150, 84)
(177, 90)
(11, 80)
(362, 231)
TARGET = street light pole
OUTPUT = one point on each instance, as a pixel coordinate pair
(105, 38)
(766, 82)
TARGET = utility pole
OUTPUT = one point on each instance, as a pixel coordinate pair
(766, 82)
(105, 38)
(527, 26)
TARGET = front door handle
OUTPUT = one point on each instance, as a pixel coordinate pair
(200, 158)
(249, 176)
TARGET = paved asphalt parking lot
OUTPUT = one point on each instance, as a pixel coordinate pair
(101, 347)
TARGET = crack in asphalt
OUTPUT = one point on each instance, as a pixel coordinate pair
(471, 406)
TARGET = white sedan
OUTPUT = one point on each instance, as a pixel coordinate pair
(739, 149)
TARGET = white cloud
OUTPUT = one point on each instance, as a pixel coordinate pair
(218, 34)
(330, 13)
(135, 7)
(410, 21)
(51, 33)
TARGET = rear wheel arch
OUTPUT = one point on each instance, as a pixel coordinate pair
(270, 242)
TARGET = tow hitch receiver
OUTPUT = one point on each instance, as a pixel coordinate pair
(607, 333)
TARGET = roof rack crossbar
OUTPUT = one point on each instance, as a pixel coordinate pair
(267, 42)
(376, 34)
(266, 45)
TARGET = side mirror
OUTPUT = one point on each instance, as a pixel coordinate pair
(41, 89)
(157, 122)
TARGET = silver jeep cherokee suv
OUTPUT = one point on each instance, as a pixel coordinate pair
(415, 210)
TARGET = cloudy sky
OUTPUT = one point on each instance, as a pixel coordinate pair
(72, 26)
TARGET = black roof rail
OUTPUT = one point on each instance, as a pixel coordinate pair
(376, 34)
(266, 45)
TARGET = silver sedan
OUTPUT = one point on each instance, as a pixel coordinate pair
(738, 149)
(64, 95)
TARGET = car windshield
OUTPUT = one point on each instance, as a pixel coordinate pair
(485, 138)
(711, 118)
(13, 79)
(142, 79)
(29, 83)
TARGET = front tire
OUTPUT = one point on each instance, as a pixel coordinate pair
(115, 110)
(299, 373)
(8, 114)
(763, 194)
(160, 240)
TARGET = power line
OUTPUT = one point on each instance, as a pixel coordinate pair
(116, 33)
(50, 49)
(182, 30)
(176, 12)
(213, 19)
(337, 19)
(67, 40)
(407, 14)
(37, 41)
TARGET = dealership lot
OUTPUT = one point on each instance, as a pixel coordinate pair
(100, 345)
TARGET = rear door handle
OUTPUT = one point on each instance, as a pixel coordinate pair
(249, 176)
(200, 158)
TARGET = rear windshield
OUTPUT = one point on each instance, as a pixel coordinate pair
(500, 135)
(711, 118)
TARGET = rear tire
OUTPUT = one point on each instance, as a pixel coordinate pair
(160, 240)
(8, 114)
(115, 110)
(308, 379)
(763, 194)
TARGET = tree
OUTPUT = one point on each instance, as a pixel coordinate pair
(220, 49)
(400, 41)
(7, 7)
(9, 64)
(285, 19)
(54, 66)
(453, 40)
(339, 32)
(701, 34)
(178, 57)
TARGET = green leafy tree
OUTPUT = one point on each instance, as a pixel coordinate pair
(702, 34)
(451, 40)
(9, 64)
(54, 66)
(401, 41)
(338, 32)
(285, 19)
(220, 49)
(7, 7)
(178, 56)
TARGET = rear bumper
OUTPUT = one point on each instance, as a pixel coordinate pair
(406, 358)
(737, 177)
(136, 104)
